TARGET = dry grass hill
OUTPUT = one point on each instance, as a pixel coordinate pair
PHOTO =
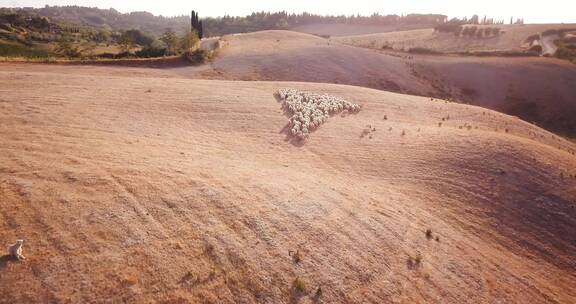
(513, 38)
(138, 185)
(512, 85)
(342, 29)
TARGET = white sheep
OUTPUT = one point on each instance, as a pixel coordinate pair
(15, 250)
(311, 110)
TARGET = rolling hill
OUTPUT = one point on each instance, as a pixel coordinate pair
(512, 39)
(511, 85)
(138, 185)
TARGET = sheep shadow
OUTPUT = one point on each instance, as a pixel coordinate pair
(296, 296)
(6, 259)
(288, 137)
(293, 140)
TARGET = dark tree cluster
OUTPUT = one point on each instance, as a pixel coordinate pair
(26, 21)
(283, 20)
(112, 20)
(479, 32)
(458, 27)
(196, 25)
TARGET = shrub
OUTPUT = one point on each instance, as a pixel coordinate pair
(299, 285)
(318, 293)
(66, 48)
(138, 37)
(428, 233)
(149, 52)
(414, 261)
(198, 56)
(15, 50)
(189, 41)
(418, 259)
(479, 33)
(566, 52)
(536, 48)
(296, 257)
(449, 27)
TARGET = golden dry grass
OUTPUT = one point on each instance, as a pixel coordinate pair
(132, 187)
(512, 40)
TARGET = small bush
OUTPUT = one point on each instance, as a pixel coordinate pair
(318, 293)
(536, 48)
(428, 233)
(198, 56)
(450, 27)
(418, 259)
(296, 257)
(150, 52)
(566, 52)
(299, 285)
(15, 50)
(414, 262)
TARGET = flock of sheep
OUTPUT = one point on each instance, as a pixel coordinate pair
(311, 110)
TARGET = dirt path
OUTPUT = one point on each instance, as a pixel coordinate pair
(209, 44)
(548, 46)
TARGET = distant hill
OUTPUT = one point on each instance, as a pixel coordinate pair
(108, 18)
(111, 19)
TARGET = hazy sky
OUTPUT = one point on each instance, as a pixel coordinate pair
(532, 11)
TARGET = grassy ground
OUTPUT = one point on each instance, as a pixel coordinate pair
(14, 50)
(567, 52)
(10, 50)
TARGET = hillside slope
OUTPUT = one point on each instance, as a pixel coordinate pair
(291, 56)
(343, 29)
(512, 39)
(538, 90)
(138, 189)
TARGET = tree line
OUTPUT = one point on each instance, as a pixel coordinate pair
(112, 20)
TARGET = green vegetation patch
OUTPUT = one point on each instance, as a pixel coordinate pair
(567, 52)
(16, 50)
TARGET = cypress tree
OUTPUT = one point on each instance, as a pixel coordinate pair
(192, 23)
(200, 30)
(196, 24)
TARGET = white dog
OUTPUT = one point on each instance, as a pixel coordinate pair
(15, 250)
